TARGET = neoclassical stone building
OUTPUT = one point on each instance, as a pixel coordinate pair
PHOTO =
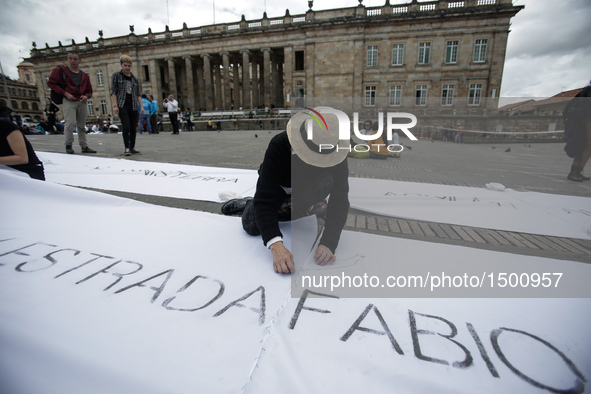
(22, 95)
(431, 55)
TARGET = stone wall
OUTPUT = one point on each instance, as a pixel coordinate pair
(274, 61)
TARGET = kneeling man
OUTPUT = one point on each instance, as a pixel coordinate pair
(299, 171)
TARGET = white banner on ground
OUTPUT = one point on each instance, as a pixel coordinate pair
(142, 177)
(509, 210)
(530, 212)
(102, 294)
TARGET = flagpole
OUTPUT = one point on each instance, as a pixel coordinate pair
(167, 15)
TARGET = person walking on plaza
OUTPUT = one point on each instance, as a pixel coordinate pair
(577, 133)
(145, 115)
(172, 107)
(50, 113)
(153, 114)
(459, 139)
(75, 87)
(188, 115)
(125, 95)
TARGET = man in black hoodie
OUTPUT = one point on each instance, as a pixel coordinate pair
(292, 184)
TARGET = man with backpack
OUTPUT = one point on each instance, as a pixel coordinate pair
(71, 87)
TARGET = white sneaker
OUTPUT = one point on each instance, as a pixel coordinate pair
(127, 152)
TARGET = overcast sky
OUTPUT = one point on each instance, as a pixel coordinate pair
(549, 48)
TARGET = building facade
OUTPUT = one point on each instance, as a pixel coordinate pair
(433, 55)
(22, 95)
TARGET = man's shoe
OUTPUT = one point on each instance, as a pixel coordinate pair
(127, 152)
(235, 206)
(135, 152)
(576, 177)
(69, 149)
(88, 150)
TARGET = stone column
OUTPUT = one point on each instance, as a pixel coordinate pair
(190, 85)
(267, 76)
(218, 86)
(199, 91)
(237, 101)
(246, 79)
(256, 93)
(208, 85)
(289, 66)
(155, 81)
(278, 85)
(171, 77)
(226, 77)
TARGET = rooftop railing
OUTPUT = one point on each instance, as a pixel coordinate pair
(311, 16)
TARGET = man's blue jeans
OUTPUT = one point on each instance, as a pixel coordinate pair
(145, 118)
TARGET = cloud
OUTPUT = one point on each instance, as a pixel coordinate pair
(547, 27)
(548, 47)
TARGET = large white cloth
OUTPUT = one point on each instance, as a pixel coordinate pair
(102, 294)
(509, 210)
(158, 179)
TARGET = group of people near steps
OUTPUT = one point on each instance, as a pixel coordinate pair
(75, 89)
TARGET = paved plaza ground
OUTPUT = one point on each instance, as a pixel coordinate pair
(520, 165)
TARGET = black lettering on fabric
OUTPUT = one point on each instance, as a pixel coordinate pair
(387, 332)
(482, 350)
(19, 250)
(501, 204)
(301, 306)
(221, 290)
(417, 347)
(116, 274)
(583, 211)
(48, 257)
(157, 290)
(260, 311)
(579, 384)
(99, 256)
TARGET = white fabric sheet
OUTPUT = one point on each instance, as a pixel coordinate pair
(509, 210)
(142, 177)
(92, 287)
(530, 212)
